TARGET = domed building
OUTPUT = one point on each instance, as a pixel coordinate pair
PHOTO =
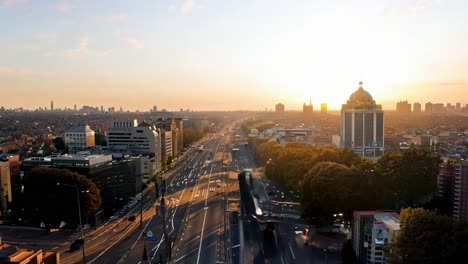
(362, 124)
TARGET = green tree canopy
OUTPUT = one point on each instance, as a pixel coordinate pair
(52, 202)
(426, 237)
(408, 178)
(326, 191)
(59, 144)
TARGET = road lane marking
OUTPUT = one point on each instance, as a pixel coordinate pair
(292, 253)
(201, 238)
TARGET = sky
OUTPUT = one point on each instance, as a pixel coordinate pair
(231, 55)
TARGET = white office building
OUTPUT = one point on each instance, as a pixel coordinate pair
(372, 231)
(79, 138)
(133, 138)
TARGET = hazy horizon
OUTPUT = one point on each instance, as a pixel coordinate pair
(219, 55)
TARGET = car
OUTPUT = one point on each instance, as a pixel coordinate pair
(218, 180)
(211, 189)
(219, 184)
(77, 244)
(113, 217)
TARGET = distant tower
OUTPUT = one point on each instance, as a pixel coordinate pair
(428, 107)
(323, 108)
(417, 108)
(362, 127)
(52, 105)
(279, 108)
(403, 107)
(74, 107)
(308, 109)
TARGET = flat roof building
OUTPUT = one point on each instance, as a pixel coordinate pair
(372, 230)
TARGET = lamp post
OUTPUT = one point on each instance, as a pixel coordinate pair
(79, 214)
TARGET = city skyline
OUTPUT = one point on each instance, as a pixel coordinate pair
(230, 56)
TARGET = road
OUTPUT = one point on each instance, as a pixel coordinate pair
(199, 226)
(203, 237)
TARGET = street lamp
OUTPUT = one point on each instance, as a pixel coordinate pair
(79, 214)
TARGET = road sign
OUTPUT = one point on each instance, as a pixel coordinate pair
(150, 236)
(149, 233)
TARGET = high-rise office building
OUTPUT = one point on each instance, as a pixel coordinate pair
(279, 108)
(51, 105)
(452, 188)
(417, 108)
(428, 107)
(323, 108)
(362, 124)
(403, 107)
(307, 108)
(438, 108)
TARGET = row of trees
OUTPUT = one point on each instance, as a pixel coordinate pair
(191, 135)
(333, 180)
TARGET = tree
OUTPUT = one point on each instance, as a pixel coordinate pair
(419, 169)
(326, 191)
(428, 237)
(293, 163)
(190, 136)
(52, 203)
(59, 144)
(100, 140)
(408, 178)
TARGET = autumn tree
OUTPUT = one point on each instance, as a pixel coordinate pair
(52, 203)
(191, 136)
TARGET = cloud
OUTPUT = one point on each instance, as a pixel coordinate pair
(46, 36)
(82, 51)
(15, 71)
(11, 3)
(112, 18)
(131, 41)
(64, 7)
(414, 7)
(184, 6)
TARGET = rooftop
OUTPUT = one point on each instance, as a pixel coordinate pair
(69, 157)
(391, 220)
(79, 129)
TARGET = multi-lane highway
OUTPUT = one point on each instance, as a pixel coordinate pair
(201, 239)
(197, 226)
(194, 217)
